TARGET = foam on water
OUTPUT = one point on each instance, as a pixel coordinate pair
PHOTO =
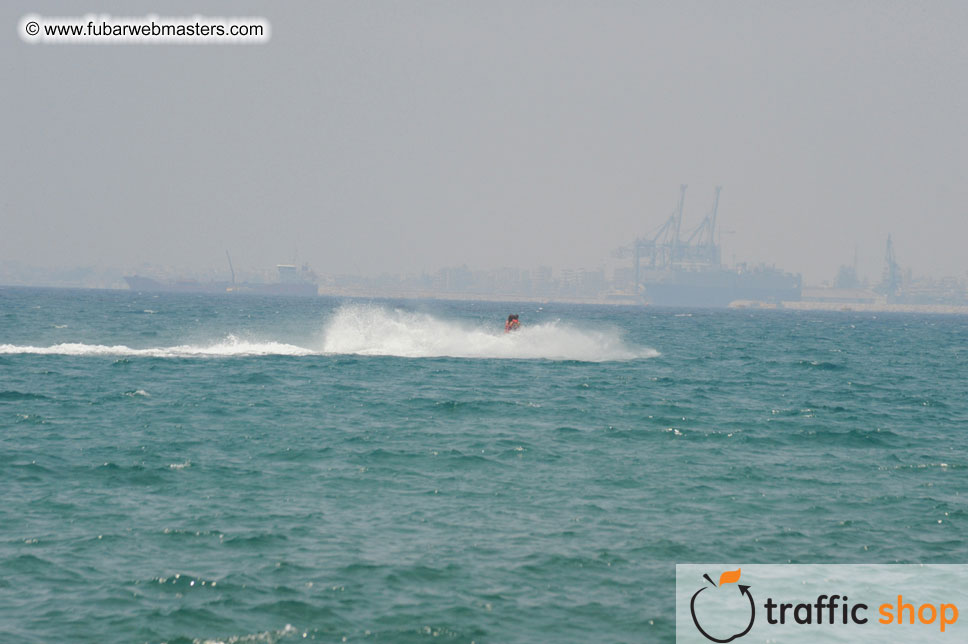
(266, 637)
(379, 331)
(230, 346)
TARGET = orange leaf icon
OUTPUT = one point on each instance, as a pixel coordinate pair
(729, 577)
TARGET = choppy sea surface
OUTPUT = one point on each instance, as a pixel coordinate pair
(188, 468)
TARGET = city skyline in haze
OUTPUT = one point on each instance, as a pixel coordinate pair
(402, 138)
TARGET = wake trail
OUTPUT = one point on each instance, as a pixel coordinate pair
(230, 346)
(372, 330)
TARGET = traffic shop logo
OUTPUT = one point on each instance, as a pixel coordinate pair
(728, 595)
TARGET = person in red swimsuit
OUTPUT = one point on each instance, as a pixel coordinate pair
(513, 324)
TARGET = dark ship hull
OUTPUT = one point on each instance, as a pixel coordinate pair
(716, 287)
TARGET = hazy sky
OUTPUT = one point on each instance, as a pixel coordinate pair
(403, 136)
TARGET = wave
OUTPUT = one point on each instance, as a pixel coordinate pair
(377, 331)
(230, 346)
(265, 637)
(21, 395)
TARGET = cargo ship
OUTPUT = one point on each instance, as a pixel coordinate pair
(719, 287)
(293, 281)
(687, 271)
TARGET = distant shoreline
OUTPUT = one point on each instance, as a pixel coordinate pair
(802, 305)
(870, 307)
(842, 306)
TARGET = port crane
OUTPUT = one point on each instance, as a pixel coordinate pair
(667, 249)
(892, 272)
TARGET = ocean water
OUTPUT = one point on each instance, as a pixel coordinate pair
(180, 468)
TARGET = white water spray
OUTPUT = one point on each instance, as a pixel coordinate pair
(379, 331)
